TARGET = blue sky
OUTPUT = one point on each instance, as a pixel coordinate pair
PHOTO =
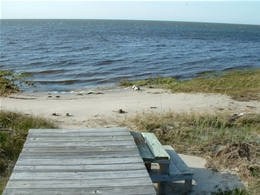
(238, 12)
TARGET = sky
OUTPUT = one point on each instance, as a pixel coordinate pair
(236, 12)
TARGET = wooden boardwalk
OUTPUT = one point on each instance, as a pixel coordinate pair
(82, 161)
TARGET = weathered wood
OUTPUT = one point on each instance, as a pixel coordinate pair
(72, 134)
(77, 155)
(80, 149)
(158, 178)
(78, 144)
(162, 185)
(88, 130)
(185, 172)
(178, 162)
(67, 183)
(81, 138)
(155, 146)
(142, 146)
(84, 161)
(80, 161)
(77, 175)
(137, 190)
(78, 168)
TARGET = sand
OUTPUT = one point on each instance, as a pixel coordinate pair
(84, 107)
(81, 110)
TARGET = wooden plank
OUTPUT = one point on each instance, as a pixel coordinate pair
(79, 161)
(80, 149)
(88, 130)
(168, 178)
(155, 146)
(137, 190)
(142, 147)
(78, 144)
(178, 162)
(68, 155)
(79, 175)
(76, 168)
(45, 184)
(80, 138)
(72, 134)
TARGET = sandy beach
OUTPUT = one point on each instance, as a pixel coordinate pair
(82, 110)
(78, 109)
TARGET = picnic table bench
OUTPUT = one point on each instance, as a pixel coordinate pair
(171, 166)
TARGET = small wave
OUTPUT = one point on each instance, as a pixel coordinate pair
(11, 43)
(161, 45)
(72, 63)
(236, 67)
(106, 62)
(35, 63)
(85, 48)
(51, 71)
(65, 82)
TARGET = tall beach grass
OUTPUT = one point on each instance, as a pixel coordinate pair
(242, 85)
(14, 128)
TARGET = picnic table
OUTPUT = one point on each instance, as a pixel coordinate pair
(171, 166)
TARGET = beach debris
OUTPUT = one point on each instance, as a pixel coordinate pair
(92, 92)
(251, 107)
(57, 96)
(49, 96)
(55, 114)
(120, 111)
(236, 116)
(22, 98)
(242, 114)
(135, 88)
(67, 114)
(153, 107)
(80, 94)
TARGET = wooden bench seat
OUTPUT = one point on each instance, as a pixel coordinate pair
(171, 166)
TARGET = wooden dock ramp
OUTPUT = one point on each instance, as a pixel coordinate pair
(79, 161)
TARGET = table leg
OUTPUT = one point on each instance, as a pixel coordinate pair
(162, 186)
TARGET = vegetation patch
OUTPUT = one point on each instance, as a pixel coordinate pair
(14, 128)
(11, 81)
(242, 85)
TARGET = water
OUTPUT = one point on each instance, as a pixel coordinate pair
(65, 55)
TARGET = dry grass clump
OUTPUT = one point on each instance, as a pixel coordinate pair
(7, 86)
(10, 82)
(226, 142)
(242, 85)
(14, 127)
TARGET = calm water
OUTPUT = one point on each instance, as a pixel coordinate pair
(65, 55)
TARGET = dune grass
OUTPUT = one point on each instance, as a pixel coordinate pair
(14, 128)
(242, 85)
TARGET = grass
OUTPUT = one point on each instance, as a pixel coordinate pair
(235, 191)
(14, 127)
(242, 85)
